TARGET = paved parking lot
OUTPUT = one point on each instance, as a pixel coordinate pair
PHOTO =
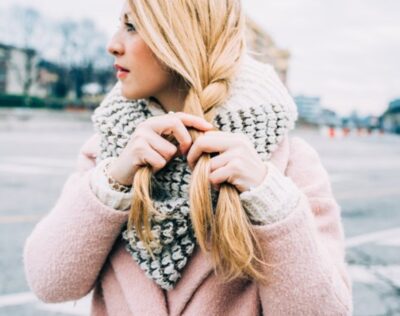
(38, 152)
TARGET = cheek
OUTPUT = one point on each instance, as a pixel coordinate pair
(147, 76)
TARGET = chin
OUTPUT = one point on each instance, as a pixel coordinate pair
(132, 94)
(126, 92)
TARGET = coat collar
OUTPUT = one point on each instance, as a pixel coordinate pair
(149, 298)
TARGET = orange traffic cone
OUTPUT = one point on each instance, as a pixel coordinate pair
(331, 132)
(346, 131)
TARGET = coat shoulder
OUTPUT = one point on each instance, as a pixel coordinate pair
(299, 147)
(88, 153)
(292, 149)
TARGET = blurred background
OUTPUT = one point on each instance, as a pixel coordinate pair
(339, 60)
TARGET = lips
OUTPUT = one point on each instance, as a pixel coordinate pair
(120, 68)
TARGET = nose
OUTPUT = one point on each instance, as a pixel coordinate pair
(115, 46)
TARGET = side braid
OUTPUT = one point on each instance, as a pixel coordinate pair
(227, 234)
(202, 41)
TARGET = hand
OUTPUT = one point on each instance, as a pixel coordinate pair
(147, 146)
(238, 162)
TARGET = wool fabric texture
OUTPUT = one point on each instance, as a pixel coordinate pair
(76, 250)
(249, 109)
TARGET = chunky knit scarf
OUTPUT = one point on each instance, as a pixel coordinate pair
(258, 105)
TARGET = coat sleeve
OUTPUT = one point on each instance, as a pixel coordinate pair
(310, 275)
(66, 250)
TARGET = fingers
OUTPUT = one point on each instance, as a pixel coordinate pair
(194, 121)
(164, 150)
(220, 160)
(209, 143)
(176, 124)
(162, 146)
(148, 147)
(178, 129)
(153, 158)
(219, 176)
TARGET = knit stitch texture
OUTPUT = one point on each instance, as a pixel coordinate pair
(264, 123)
(77, 248)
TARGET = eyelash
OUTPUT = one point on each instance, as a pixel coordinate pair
(130, 27)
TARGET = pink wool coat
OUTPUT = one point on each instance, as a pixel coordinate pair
(76, 249)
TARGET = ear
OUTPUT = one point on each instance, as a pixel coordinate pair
(88, 153)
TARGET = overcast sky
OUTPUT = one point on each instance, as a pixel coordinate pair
(345, 51)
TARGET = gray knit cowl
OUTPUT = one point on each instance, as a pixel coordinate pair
(258, 105)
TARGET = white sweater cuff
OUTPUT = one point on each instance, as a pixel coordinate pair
(273, 200)
(99, 184)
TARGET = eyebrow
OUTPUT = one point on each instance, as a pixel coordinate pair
(126, 17)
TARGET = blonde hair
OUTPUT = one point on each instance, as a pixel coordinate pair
(203, 42)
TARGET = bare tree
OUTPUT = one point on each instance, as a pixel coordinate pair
(77, 46)
(28, 20)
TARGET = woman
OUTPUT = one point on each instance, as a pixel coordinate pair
(191, 197)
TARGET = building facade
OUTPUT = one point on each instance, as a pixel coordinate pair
(18, 69)
(390, 119)
(22, 72)
(309, 108)
(264, 49)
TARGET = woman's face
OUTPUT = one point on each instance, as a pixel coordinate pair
(140, 72)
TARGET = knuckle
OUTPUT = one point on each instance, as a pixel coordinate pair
(200, 141)
(140, 146)
(170, 151)
(195, 147)
(232, 178)
(136, 136)
(235, 164)
(212, 179)
(142, 125)
(187, 142)
(141, 142)
(160, 164)
(140, 151)
(175, 120)
(139, 132)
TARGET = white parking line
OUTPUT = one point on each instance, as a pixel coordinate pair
(12, 219)
(373, 237)
(17, 299)
(375, 273)
(43, 139)
(35, 165)
(33, 170)
(392, 242)
(340, 177)
(363, 193)
(79, 307)
(39, 161)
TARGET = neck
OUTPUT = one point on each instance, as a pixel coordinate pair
(171, 99)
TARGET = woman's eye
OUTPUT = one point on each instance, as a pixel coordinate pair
(130, 27)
